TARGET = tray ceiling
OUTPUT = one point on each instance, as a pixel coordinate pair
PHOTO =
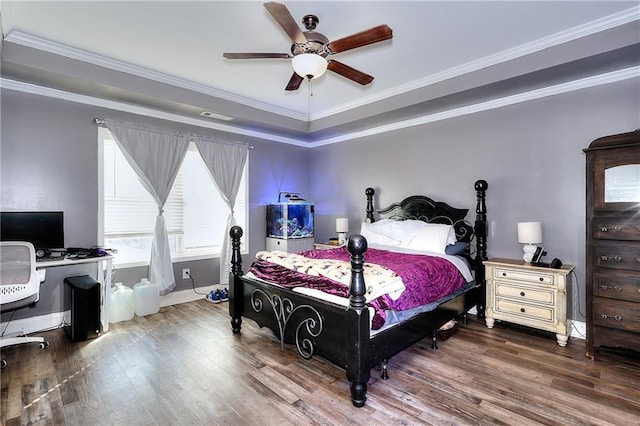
(167, 56)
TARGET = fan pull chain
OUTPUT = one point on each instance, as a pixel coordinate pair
(310, 91)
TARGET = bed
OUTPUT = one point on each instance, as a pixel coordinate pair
(343, 334)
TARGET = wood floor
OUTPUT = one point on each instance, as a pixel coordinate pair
(184, 366)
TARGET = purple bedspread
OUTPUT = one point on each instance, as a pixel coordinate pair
(289, 278)
(426, 278)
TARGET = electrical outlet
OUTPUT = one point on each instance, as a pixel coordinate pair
(186, 273)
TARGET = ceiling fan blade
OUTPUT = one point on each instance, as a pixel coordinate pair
(283, 17)
(349, 72)
(229, 55)
(363, 38)
(294, 83)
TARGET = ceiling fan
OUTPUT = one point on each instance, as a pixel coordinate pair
(310, 49)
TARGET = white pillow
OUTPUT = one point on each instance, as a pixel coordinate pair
(434, 237)
(399, 230)
(369, 231)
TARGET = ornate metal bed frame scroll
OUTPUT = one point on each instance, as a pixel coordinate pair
(342, 334)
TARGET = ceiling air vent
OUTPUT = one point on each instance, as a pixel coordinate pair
(210, 114)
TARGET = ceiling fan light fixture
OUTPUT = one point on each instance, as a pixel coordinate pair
(309, 65)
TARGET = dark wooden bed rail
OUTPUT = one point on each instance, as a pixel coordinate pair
(343, 335)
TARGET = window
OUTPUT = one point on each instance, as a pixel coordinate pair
(195, 214)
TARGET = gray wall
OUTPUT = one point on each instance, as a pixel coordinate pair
(530, 153)
(48, 161)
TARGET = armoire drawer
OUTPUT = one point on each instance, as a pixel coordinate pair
(524, 276)
(616, 314)
(616, 228)
(617, 255)
(621, 285)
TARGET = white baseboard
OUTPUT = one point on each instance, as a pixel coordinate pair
(577, 329)
(183, 296)
(55, 320)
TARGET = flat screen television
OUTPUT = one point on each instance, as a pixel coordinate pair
(45, 230)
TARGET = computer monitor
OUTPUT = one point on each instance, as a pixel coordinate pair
(45, 230)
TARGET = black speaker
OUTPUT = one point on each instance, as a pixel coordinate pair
(82, 298)
(556, 263)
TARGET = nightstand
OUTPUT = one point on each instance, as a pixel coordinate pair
(528, 295)
(325, 246)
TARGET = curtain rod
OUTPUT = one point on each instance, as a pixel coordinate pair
(101, 122)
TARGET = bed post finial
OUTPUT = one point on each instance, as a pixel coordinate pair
(357, 245)
(236, 259)
(481, 241)
(369, 193)
(235, 284)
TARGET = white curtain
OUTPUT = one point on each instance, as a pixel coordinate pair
(226, 164)
(156, 157)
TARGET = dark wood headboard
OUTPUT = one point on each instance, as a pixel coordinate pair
(420, 207)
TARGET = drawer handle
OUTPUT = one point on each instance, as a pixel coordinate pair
(617, 258)
(522, 293)
(522, 310)
(541, 279)
(615, 228)
(610, 287)
(615, 317)
(504, 274)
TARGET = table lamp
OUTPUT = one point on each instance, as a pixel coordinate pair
(342, 227)
(529, 234)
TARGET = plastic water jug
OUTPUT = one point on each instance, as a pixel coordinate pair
(122, 304)
(147, 297)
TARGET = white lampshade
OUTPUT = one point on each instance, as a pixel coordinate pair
(529, 232)
(309, 64)
(342, 224)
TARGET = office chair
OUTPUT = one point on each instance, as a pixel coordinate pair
(19, 286)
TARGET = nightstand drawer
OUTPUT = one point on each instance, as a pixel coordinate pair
(523, 310)
(521, 275)
(524, 294)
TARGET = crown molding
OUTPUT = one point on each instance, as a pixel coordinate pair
(590, 28)
(598, 80)
(593, 27)
(148, 112)
(48, 46)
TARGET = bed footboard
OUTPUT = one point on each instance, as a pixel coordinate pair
(315, 327)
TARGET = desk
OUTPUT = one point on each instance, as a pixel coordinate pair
(104, 272)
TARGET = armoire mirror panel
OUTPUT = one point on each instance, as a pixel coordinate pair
(622, 184)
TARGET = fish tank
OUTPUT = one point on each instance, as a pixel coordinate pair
(290, 220)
